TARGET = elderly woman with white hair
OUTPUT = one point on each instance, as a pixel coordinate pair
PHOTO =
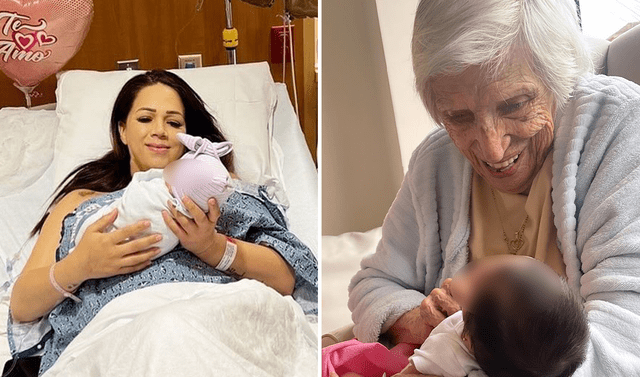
(536, 156)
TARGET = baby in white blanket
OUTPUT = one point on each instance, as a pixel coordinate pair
(518, 318)
(199, 175)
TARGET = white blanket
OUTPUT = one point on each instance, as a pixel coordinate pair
(195, 329)
(145, 198)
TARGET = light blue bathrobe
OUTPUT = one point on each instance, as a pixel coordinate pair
(596, 204)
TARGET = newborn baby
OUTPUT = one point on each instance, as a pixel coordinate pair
(518, 318)
(199, 175)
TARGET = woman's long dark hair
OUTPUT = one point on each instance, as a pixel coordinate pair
(112, 172)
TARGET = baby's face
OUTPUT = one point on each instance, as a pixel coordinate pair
(477, 275)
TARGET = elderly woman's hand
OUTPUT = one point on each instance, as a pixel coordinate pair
(438, 305)
(415, 325)
(197, 234)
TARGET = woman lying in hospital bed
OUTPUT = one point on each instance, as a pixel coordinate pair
(149, 112)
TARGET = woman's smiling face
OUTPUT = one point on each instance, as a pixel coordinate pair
(156, 116)
(503, 127)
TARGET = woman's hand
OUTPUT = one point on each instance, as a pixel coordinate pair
(97, 254)
(414, 326)
(198, 234)
(104, 254)
(410, 328)
(438, 305)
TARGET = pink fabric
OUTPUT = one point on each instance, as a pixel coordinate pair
(365, 359)
(199, 179)
(199, 173)
(198, 145)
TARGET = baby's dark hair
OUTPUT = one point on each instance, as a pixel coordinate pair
(527, 327)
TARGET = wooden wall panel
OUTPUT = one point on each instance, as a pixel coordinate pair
(148, 29)
(304, 37)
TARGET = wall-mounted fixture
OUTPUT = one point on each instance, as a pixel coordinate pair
(190, 61)
(128, 65)
(280, 44)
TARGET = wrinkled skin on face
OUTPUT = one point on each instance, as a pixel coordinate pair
(503, 127)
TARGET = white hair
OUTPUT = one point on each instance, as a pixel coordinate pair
(451, 35)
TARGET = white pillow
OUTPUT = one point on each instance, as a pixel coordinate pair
(26, 147)
(241, 97)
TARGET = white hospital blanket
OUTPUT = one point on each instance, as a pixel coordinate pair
(195, 329)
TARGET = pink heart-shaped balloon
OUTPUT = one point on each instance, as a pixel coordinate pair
(38, 37)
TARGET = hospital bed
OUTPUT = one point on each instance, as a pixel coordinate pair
(40, 146)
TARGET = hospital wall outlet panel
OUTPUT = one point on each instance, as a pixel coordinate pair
(128, 65)
(190, 61)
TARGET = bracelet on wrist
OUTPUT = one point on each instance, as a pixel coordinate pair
(54, 283)
(230, 252)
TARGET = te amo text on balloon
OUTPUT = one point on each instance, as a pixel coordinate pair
(20, 46)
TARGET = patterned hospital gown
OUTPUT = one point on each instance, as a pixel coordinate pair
(248, 216)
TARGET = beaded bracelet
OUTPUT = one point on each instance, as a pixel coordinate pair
(58, 288)
(229, 256)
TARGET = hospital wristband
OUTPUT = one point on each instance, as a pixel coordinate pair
(58, 288)
(229, 256)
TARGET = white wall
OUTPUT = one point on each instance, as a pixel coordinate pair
(412, 120)
(361, 167)
(601, 19)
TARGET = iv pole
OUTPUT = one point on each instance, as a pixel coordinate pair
(230, 35)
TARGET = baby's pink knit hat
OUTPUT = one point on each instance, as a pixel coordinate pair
(200, 174)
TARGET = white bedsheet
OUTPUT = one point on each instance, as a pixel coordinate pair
(341, 256)
(300, 174)
(26, 175)
(191, 329)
